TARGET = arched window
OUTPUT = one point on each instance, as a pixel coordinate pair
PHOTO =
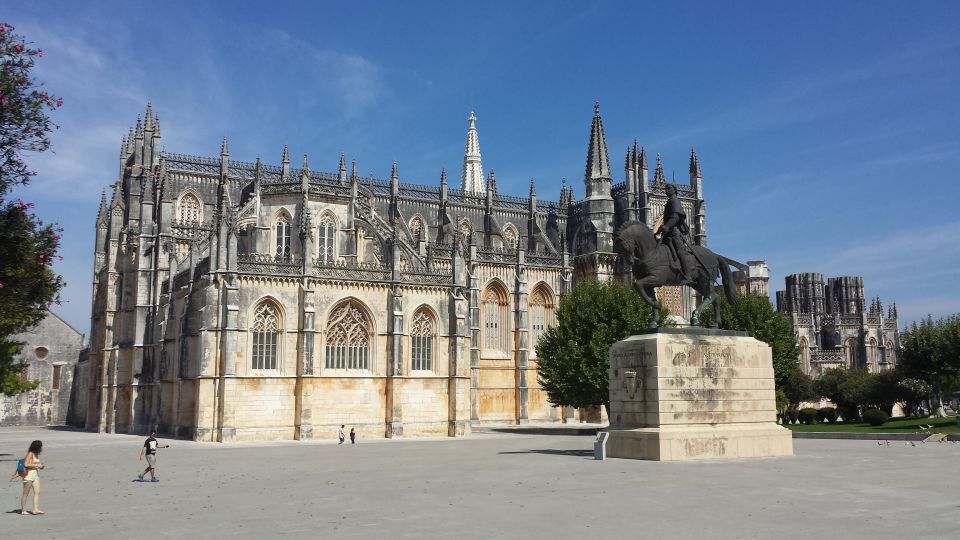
(891, 354)
(804, 355)
(282, 236)
(417, 227)
(850, 352)
(189, 209)
(509, 237)
(496, 319)
(541, 313)
(422, 334)
(873, 356)
(327, 229)
(266, 329)
(348, 338)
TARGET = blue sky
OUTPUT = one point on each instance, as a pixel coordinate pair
(827, 131)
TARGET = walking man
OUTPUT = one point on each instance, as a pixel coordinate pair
(150, 449)
(340, 433)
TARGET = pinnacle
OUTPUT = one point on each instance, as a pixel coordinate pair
(598, 161)
(393, 171)
(533, 188)
(224, 151)
(286, 155)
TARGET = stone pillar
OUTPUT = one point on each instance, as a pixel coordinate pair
(394, 405)
(521, 344)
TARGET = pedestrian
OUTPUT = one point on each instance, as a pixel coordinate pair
(340, 433)
(31, 480)
(353, 436)
(150, 449)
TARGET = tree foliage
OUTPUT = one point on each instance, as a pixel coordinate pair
(572, 356)
(931, 353)
(754, 314)
(27, 247)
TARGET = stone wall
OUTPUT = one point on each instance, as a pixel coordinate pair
(51, 351)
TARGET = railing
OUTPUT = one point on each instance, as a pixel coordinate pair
(828, 357)
(873, 319)
(426, 277)
(269, 265)
(804, 318)
(849, 319)
(496, 255)
(351, 271)
(543, 258)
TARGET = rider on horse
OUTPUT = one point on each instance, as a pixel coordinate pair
(674, 233)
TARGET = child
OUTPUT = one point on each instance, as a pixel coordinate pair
(353, 436)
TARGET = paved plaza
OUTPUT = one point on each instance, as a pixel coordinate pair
(491, 485)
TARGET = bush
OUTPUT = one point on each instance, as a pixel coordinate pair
(808, 415)
(849, 414)
(793, 415)
(875, 417)
(827, 414)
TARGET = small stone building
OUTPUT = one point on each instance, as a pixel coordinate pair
(50, 351)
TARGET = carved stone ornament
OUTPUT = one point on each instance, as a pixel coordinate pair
(630, 383)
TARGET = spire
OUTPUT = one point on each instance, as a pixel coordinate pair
(598, 162)
(353, 170)
(658, 176)
(394, 185)
(102, 213)
(694, 165)
(156, 126)
(629, 163)
(533, 188)
(393, 172)
(138, 130)
(224, 151)
(306, 168)
(563, 192)
(342, 170)
(492, 183)
(148, 118)
(443, 176)
(471, 181)
(286, 155)
(643, 159)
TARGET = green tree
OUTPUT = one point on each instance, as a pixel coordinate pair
(798, 387)
(931, 353)
(850, 389)
(754, 314)
(27, 247)
(572, 356)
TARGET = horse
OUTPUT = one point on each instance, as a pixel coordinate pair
(651, 261)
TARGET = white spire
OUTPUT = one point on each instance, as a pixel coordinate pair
(472, 180)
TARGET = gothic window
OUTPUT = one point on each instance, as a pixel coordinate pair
(266, 336)
(891, 354)
(417, 227)
(348, 338)
(804, 355)
(850, 352)
(496, 319)
(872, 355)
(327, 230)
(422, 335)
(189, 209)
(541, 313)
(509, 237)
(282, 236)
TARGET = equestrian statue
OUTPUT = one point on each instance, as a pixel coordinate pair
(672, 260)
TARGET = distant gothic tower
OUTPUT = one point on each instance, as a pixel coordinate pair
(471, 181)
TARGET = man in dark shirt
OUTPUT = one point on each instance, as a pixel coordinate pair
(150, 450)
(674, 232)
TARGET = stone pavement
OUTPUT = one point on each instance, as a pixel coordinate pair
(492, 485)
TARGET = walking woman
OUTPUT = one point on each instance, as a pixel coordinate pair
(32, 480)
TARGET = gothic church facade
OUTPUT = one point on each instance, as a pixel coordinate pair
(238, 301)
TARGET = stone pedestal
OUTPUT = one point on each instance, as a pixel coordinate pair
(693, 393)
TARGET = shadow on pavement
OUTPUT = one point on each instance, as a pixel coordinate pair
(554, 452)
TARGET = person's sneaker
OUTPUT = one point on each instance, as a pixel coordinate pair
(154, 479)
(140, 477)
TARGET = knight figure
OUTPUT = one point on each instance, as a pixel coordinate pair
(674, 233)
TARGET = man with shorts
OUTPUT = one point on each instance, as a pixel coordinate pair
(150, 449)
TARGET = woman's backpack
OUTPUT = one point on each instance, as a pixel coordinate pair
(21, 468)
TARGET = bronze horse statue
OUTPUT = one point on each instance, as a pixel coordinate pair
(651, 264)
